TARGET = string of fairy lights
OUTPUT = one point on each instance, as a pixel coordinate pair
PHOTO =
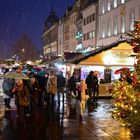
(127, 96)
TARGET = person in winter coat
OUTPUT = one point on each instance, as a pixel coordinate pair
(82, 98)
(7, 87)
(22, 99)
(52, 86)
(72, 84)
(42, 88)
(89, 82)
(34, 93)
(61, 81)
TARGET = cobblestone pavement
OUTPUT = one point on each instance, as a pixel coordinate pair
(58, 124)
(98, 125)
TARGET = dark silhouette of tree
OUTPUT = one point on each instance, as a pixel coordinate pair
(24, 49)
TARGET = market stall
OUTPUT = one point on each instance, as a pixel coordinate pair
(106, 61)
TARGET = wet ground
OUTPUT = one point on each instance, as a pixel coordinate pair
(62, 124)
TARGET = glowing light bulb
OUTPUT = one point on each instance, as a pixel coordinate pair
(131, 108)
(136, 111)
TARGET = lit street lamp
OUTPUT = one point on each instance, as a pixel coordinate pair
(23, 53)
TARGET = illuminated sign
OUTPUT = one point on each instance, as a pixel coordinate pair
(79, 35)
(79, 47)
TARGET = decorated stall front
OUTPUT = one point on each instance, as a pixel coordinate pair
(106, 61)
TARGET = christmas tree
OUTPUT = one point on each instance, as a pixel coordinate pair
(127, 95)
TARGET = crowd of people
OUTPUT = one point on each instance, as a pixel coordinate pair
(32, 94)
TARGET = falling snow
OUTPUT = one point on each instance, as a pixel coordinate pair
(20, 16)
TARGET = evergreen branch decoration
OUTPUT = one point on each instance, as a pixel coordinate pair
(127, 95)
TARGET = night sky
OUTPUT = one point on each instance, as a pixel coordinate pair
(26, 16)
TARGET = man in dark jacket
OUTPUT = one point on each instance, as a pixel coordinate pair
(72, 83)
(7, 87)
(89, 82)
(61, 81)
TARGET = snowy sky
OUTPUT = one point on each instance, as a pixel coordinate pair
(20, 16)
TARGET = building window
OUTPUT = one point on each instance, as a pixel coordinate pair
(90, 35)
(84, 21)
(87, 36)
(93, 16)
(108, 27)
(103, 6)
(93, 34)
(123, 24)
(132, 19)
(103, 30)
(115, 24)
(115, 3)
(84, 37)
(109, 5)
(122, 1)
(88, 19)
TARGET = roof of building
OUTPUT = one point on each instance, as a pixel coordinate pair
(78, 58)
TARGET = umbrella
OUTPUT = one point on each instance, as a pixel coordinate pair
(42, 73)
(15, 75)
(26, 70)
(121, 70)
(4, 65)
(36, 69)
